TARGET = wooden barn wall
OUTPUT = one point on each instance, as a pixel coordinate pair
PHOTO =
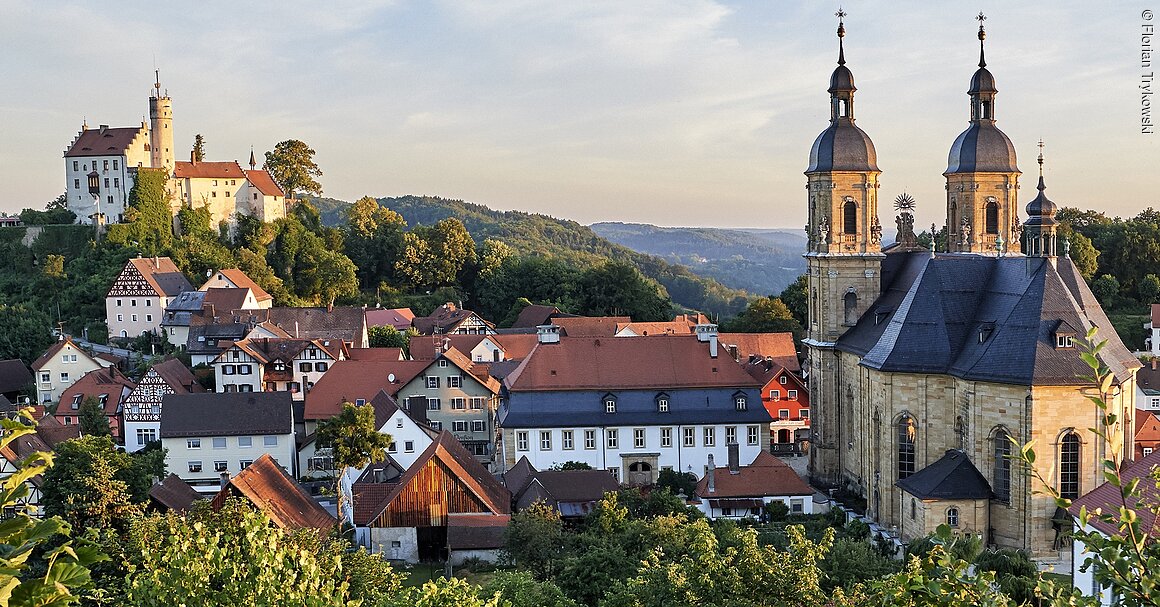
(427, 499)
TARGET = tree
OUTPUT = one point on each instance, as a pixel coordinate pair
(443, 593)
(388, 337)
(1080, 249)
(374, 240)
(57, 204)
(1106, 288)
(534, 539)
(291, 164)
(149, 225)
(616, 288)
(66, 571)
(92, 418)
(795, 299)
(851, 561)
(94, 485)
(1150, 289)
(27, 333)
(354, 441)
(521, 589)
(765, 315)
(677, 482)
(198, 148)
(54, 266)
(572, 465)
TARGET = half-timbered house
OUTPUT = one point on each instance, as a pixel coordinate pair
(137, 299)
(142, 408)
(276, 365)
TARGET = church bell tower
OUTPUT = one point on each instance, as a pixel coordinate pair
(844, 254)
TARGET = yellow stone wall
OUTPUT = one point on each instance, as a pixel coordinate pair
(967, 197)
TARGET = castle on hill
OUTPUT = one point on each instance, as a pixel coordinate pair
(101, 166)
(927, 367)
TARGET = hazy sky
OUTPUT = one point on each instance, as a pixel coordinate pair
(673, 112)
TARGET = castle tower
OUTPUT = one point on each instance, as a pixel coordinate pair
(844, 255)
(160, 127)
(982, 176)
(1039, 231)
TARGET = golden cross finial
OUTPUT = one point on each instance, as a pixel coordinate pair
(840, 14)
(1040, 144)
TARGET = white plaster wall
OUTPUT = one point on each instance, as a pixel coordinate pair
(149, 311)
(179, 455)
(408, 550)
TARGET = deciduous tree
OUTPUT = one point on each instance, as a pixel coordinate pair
(92, 418)
(291, 164)
(354, 441)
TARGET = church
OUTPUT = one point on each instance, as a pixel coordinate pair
(924, 364)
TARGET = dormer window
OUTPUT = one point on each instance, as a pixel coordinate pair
(1063, 341)
(985, 331)
(662, 403)
(740, 401)
(1064, 336)
(609, 403)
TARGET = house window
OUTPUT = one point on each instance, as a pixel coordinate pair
(220, 466)
(752, 436)
(359, 402)
(433, 404)
(952, 517)
(245, 463)
(850, 217)
(64, 377)
(193, 443)
(116, 182)
(791, 394)
(907, 432)
(45, 377)
(67, 421)
(146, 435)
(638, 438)
(392, 448)
(783, 413)
(75, 166)
(689, 437)
(245, 442)
(1002, 463)
(76, 401)
(229, 369)
(454, 381)
(663, 403)
(991, 220)
(614, 438)
(219, 442)
(545, 440)
(270, 440)
(148, 318)
(76, 184)
(1069, 460)
(305, 367)
(781, 380)
(710, 436)
(1147, 451)
(740, 402)
(459, 425)
(321, 367)
(432, 382)
(1063, 341)
(409, 446)
(521, 440)
(913, 508)
(610, 404)
(730, 435)
(796, 506)
(804, 413)
(120, 318)
(478, 426)
(195, 466)
(114, 164)
(442, 363)
(589, 439)
(458, 403)
(566, 440)
(666, 437)
(615, 472)
(476, 402)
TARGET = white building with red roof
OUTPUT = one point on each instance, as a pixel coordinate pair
(136, 301)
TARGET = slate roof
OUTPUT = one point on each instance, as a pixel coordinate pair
(1107, 498)
(982, 148)
(208, 170)
(842, 147)
(572, 485)
(223, 300)
(226, 414)
(14, 376)
(476, 531)
(933, 311)
(174, 494)
(105, 141)
(952, 477)
(266, 350)
(779, 346)
(766, 476)
(267, 486)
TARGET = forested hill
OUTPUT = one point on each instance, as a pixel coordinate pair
(759, 261)
(569, 241)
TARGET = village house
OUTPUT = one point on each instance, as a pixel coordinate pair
(448, 319)
(347, 324)
(100, 168)
(208, 435)
(233, 278)
(172, 494)
(62, 365)
(267, 486)
(108, 386)
(1148, 386)
(572, 493)
(1147, 435)
(141, 411)
(787, 399)
(282, 364)
(632, 407)
(226, 190)
(736, 491)
(15, 380)
(137, 299)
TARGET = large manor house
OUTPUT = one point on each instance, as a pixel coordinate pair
(924, 364)
(101, 166)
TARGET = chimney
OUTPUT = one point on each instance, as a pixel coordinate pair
(192, 157)
(734, 458)
(713, 345)
(712, 474)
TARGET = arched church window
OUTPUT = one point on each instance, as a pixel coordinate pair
(985, 110)
(992, 219)
(952, 517)
(1069, 461)
(907, 434)
(850, 217)
(850, 309)
(843, 108)
(1001, 483)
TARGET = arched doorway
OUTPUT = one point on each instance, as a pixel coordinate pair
(640, 473)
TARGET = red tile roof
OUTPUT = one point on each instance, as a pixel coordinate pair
(611, 363)
(655, 328)
(349, 380)
(267, 486)
(516, 346)
(379, 354)
(399, 318)
(534, 316)
(180, 378)
(105, 141)
(264, 183)
(1107, 498)
(590, 326)
(108, 381)
(162, 274)
(208, 170)
(55, 348)
(766, 476)
(779, 346)
(174, 494)
(242, 281)
(1147, 432)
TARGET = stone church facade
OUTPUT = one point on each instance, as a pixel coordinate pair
(925, 364)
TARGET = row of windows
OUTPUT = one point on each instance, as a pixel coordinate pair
(474, 403)
(784, 413)
(789, 394)
(219, 465)
(116, 184)
(68, 358)
(639, 438)
(105, 164)
(145, 435)
(133, 303)
(237, 388)
(453, 381)
(46, 377)
(740, 402)
(237, 369)
(477, 425)
(121, 318)
(245, 442)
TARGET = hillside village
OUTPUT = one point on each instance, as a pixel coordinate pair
(377, 399)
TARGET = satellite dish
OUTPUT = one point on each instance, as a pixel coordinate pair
(391, 378)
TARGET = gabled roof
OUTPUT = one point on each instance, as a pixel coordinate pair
(266, 350)
(371, 499)
(766, 476)
(14, 376)
(574, 485)
(220, 300)
(590, 326)
(478, 371)
(264, 183)
(660, 362)
(399, 318)
(174, 494)
(516, 346)
(267, 486)
(350, 380)
(428, 347)
(208, 170)
(983, 318)
(779, 346)
(1148, 380)
(105, 141)
(345, 323)
(1107, 498)
(233, 277)
(55, 349)
(1147, 426)
(952, 477)
(445, 318)
(477, 531)
(517, 477)
(162, 274)
(108, 381)
(226, 414)
(535, 315)
(178, 376)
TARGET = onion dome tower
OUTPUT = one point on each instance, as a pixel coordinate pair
(982, 174)
(1039, 231)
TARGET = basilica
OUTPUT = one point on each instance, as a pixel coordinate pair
(927, 364)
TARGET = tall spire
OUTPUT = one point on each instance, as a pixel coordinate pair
(1040, 228)
(841, 15)
(1041, 186)
(982, 36)
(252, 161)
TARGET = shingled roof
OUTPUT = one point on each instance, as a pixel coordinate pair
(267, 486)
(350, 380)
(952, 477)
(983, 318)
(535, 315)
(162, 275)
(208, 170)
(109, 382)
(766, 476)
(105, 141)
(174, 494)
(14, 376)
(226, 414)
(1107, 498)
(264, 183)
(346, 323)
(590, 326)
(778, 346)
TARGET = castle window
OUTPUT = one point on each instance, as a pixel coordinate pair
(992, 219)
(850, 217)
(1069, 460)
(1001, 483)
(850, 309)
(907, 432)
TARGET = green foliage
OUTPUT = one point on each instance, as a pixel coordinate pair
(1150, 289)
(27, 333)
(374, 240)
(619, 289)
(353, 440)
(65, 572)
(149, 220)
(1106, 288)
(852, 561)
(434, 256)
(50, 216)
(54, 266)
(389, 337)
(795, 299)
(765, 315)
(443, 593)
(91, 418)
(1015, 572)
(291, 164)
(572, 465)
(521, 589)
(677, 482)
(199, 147)
(92, 484)
(534, 538)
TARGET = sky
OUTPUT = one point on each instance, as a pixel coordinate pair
(671, 112)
